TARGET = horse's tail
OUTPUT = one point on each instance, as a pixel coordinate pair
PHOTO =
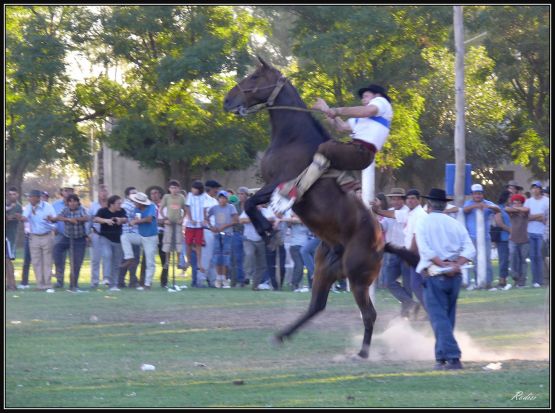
(410, 257)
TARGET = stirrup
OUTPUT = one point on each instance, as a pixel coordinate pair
(280, 203)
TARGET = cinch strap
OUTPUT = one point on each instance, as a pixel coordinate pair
(379, 119)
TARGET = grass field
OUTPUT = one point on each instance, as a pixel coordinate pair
(210, 349)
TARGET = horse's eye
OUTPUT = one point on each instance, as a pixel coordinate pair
(254, 77)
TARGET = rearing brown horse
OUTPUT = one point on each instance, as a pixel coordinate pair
(352, 244)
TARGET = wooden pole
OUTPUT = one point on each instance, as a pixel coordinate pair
(460, 153)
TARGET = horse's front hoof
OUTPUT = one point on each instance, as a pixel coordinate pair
(276, 340)
(363, 354)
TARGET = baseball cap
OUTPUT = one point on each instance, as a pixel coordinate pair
(477, 188)
(536, 183)
(223, 193)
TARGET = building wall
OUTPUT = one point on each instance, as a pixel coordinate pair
(120, 172)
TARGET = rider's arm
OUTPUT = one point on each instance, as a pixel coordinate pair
(339, 124)
(353, 111)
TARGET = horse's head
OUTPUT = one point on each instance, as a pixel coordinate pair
(256, 91)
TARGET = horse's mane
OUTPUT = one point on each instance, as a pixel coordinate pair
(315, 122)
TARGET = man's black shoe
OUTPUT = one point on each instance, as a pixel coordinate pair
(453, 364)
(440, 365)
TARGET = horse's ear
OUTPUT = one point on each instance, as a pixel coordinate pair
(264, 63)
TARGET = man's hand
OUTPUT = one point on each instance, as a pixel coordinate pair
(455, 269)
(321, 105)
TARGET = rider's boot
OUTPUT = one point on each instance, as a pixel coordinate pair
(288, 192)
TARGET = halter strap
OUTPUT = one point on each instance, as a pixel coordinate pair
(255, 108)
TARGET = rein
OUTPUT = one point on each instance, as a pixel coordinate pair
(268, 105)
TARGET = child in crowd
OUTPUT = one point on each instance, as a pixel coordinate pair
(225, 216)
(195, 222)
(172, 211)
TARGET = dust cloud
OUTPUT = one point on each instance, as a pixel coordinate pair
(403, 341)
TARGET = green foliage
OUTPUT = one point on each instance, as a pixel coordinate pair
(518, 41)
(180, 60)
(172, 117)
(528, 145)
(487, 113)
(40, 126)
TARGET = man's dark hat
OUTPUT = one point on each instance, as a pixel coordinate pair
(437, 194)
(34, 192)
(212, 184)
(413, 192)
(374, 89)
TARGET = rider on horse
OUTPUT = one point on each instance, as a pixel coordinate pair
(369, 126)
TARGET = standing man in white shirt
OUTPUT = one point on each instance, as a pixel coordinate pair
(539, 208)
(40, 216)
(408, 218)
(444, 246)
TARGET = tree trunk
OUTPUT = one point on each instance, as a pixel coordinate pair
(16, 172)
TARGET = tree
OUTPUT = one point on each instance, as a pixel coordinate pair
(41, 124)
(179, 57)
(487, 114)
(339, 49)
(518, 41)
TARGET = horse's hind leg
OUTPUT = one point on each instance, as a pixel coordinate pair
(362, 267)
(360, 292)
(326, 272)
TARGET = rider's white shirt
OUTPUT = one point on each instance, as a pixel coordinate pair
(369, 130)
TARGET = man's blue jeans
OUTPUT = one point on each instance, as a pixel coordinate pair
(393, 268)
(536, 260)
(62, 248)
(416, 285)
(307, 252)
(237, 254)
(271, 268)
(518, 254)
(298, 266)
(59, 255)
(503, 255)
(440, 294)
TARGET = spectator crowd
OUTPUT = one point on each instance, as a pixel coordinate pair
(206, 229)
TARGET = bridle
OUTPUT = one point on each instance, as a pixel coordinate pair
(278, 86)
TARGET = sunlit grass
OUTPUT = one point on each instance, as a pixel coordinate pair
(210, 348)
